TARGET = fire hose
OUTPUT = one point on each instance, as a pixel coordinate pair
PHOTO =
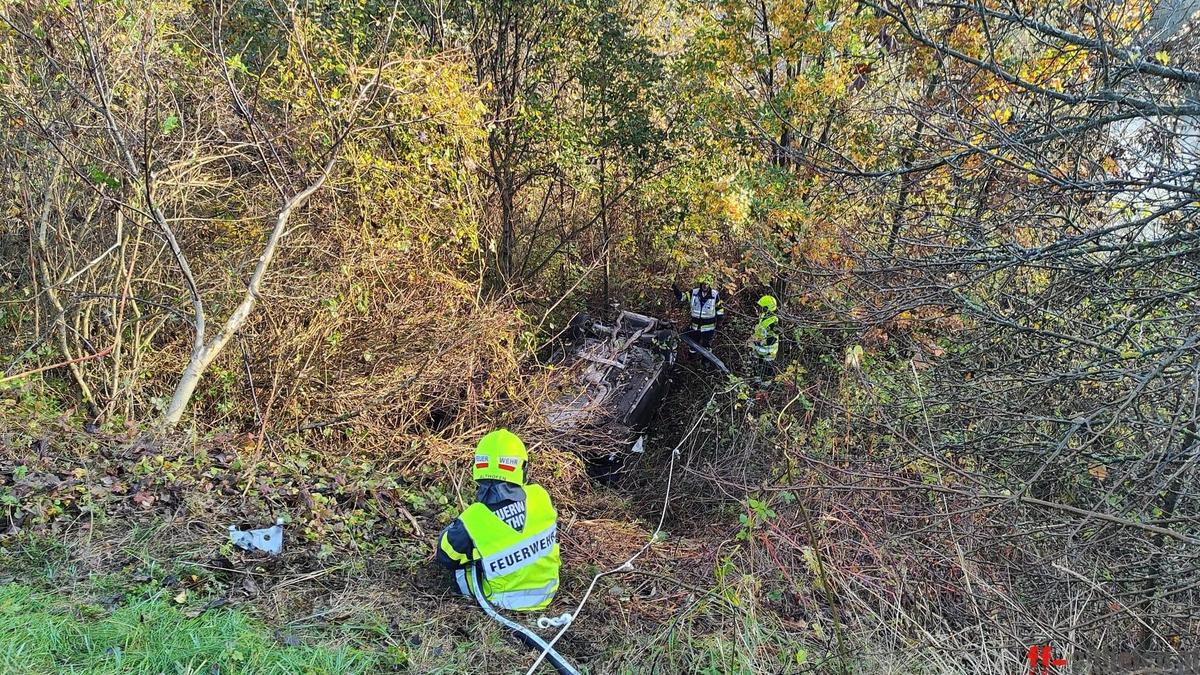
(527, 636)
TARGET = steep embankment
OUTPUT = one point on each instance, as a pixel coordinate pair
(103, 526)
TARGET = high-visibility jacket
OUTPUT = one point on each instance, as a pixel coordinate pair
(766, 337)
(705, 308)
(519, 568)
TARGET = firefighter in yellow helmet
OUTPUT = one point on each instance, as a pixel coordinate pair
(765, 339)
(510, 533)
(706, 306)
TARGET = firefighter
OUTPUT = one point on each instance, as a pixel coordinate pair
(509, 534)
(707, 308)
(765, 340)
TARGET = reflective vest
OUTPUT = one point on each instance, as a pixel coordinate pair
(766, 341)
(705, 310)
(519, 569)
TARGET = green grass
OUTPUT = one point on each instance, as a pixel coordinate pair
(42, 633)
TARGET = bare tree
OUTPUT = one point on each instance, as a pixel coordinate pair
(98, 75)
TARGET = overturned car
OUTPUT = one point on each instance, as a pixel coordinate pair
(610, 381)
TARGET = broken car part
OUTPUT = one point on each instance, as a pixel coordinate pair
(269, 540)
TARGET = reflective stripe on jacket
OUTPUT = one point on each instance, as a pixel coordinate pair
(705, 309)
(519, 568)
(766, 338)
(506, 500)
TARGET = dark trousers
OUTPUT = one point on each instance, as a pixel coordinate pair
(766, 369)
(703, 337)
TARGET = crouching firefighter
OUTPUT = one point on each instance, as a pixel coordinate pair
(765, 340)
(504, 547)
(509, 534)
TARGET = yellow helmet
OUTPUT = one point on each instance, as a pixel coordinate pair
(768, 303)
(706, 278)
(501, 455)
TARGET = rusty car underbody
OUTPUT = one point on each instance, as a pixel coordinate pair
(610, 381)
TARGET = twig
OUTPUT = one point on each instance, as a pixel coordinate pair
(80, 359)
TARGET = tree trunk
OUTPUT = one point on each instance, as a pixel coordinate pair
(604, 224)
(203, 354)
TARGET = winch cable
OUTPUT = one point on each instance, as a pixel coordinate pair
(628, 564)
(527, 636)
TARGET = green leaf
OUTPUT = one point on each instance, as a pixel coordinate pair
(235, 62)
(761, 509)
(99, 176)
(170, 124)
